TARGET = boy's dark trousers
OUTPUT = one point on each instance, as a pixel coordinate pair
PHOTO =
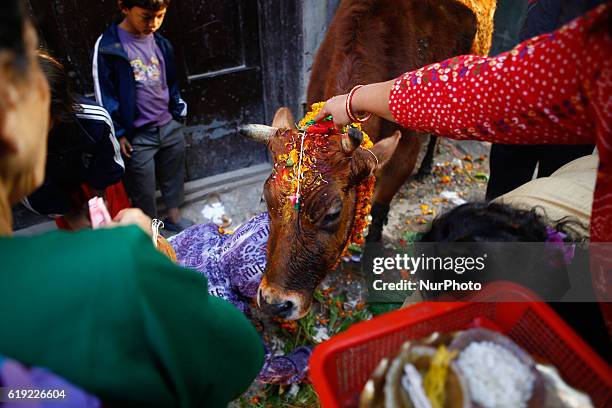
(158, 153)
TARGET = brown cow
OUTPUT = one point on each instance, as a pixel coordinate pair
(305, 241)
(368, 41)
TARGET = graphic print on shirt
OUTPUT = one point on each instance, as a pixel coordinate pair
(146, 75)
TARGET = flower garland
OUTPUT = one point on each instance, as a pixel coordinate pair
(365, 190)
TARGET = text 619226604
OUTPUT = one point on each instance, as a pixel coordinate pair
(8, 394)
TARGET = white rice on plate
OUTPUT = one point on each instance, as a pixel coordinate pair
(496, 378)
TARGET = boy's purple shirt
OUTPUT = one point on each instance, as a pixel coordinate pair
(148, 66)
(234, 265)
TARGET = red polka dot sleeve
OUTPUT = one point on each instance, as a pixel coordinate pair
(552, 89)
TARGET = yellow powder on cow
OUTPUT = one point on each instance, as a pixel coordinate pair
(484, 11)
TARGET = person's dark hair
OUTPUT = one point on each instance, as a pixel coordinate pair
(154, 5)
(494, 222)
(467, 230)
(63, 99)
(482, 222)
(12, 23)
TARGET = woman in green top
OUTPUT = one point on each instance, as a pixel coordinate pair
(103, 308)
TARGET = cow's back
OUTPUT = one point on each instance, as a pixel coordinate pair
(376, 40)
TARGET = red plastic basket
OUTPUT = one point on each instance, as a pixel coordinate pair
(340, 367)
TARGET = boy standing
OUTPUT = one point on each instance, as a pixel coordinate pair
(135, 80)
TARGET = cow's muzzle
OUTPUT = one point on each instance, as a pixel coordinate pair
(279, 302)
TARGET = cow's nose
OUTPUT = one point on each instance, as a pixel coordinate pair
(276, 307)
(283, 309)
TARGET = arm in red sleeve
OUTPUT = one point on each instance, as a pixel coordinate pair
(537, 93)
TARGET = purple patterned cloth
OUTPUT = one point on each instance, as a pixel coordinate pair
(285, 370)
(234, 265)
(15, 375)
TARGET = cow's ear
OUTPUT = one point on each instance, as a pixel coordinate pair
(364, 163)
(283, 118)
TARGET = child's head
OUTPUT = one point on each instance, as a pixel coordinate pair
(468, 230)
(494, 222)
(63, 98)
(144, 17)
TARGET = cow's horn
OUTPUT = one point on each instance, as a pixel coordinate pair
(258, 133)
(352, 140)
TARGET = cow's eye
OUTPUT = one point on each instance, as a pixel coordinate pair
(331, 218)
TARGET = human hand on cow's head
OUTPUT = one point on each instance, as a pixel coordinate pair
(336, 107)
(371, 99)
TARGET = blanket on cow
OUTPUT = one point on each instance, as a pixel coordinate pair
(234, 266)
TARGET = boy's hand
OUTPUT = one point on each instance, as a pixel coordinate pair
(126, 147)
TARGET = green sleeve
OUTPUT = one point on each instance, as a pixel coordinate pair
(108, 312)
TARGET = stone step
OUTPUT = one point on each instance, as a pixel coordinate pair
(195, 190)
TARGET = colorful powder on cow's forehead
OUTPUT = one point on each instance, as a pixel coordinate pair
(297, 178)
(294, 168)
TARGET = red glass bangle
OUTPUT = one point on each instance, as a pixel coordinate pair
(348, 104)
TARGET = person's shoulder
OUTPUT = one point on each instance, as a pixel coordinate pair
(90, 109)
(66, 254)
(133, 258)
(94, 119)
(108, 37)
(103, 238)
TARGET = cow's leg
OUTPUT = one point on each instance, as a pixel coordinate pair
(379, 219)
(426, 164)
(389, 180)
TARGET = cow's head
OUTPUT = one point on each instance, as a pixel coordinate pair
(307, 239)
